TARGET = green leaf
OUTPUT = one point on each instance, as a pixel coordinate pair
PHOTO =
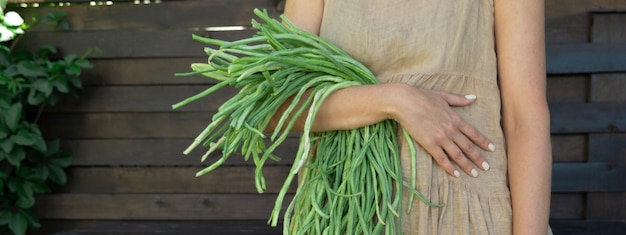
(62, 159)
(54, 146)
(5, 56)
(7, 145)
(83, 63)
(25, 201)
(39, 144)
(18, 224)
(60, 83)
(44, 51)
(31, 69)
(16, 156)
(39, 187)
(43, 85)
(3, 175)
(13, 116)
(69, 59)
(31, 217)
(23, 137)
(5, 216)
(57, 175)
(75, 81)
(35, 98)
(43, 170)
(4, 132)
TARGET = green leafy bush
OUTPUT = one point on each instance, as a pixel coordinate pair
(29, 164)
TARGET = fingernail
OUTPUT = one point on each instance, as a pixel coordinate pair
(457, 173)
(470, 97)
(474, 173)
(486, 166)
(492, 147)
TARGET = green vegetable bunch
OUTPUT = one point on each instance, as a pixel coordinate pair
(351, 180)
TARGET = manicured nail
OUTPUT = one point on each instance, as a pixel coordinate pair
(474, 173)
(470, 97)
(486, 166)
(492, 147)
(457, 173)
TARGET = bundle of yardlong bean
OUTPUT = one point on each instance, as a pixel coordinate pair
(351, 180)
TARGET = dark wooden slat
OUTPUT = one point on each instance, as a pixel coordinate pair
(143, 99)
(129, 44)
(147, 71)
(168, 152)
(156, 206)
(213, 227)
(607, 205)
(569, 148)
(225, 179)
(587, 227)
(164, 15)
(567, 88)
(610, 148)
(124, 125)
(566, 118)
(586, 58)
(588, 177)
(609, 27)
(157, 152)
(588, 117)
(567, 206)
(260, 227)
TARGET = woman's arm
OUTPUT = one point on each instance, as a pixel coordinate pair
(520, 43)
(425, 114)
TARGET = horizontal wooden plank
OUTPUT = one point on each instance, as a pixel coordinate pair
(567, 177)
(589, 177)
(168, 152)
(569, 147)
(585, 58)
(607, 205)
(129, 44)
(609, 148)
(568, 88)
(124, 125)
(566, 118)
(567, 206)
(609, 26)
(588, 227)
(146, 71)
(172, 206)
(156, 206)
(127, 15)
(157, 152)
(213, 227)
(225, 179)
(143, 99)
(260, 227)
(608, 87)
(588, 117)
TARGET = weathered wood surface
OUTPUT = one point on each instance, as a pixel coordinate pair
(165, 206)
(128, 142)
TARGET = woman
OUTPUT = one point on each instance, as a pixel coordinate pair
(442, 81)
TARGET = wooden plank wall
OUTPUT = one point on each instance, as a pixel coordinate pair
(128, 142)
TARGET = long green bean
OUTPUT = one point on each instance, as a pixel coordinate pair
(351, 180)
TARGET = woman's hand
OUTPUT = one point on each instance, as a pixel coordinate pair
(429, 119)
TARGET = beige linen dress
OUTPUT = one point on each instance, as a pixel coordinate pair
(443, 45)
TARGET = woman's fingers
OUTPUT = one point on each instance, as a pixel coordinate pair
(461, 142)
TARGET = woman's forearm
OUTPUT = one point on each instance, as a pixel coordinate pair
(529, 160)
(348, 108)
(520, 43)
